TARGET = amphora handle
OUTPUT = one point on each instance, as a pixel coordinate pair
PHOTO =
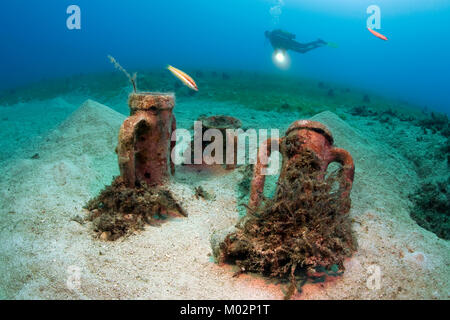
(259, 171)
(344, 158)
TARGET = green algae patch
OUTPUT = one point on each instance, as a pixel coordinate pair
(431, 209)
(119, 211)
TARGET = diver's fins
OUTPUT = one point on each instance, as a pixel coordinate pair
(332, 45)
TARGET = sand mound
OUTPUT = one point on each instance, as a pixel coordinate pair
(91, 130)
(43, 194)
(45, 244)
(412, 262)
(373, 163)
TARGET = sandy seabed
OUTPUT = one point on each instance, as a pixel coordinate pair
(42, 197)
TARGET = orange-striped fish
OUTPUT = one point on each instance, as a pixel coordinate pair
(188, 81)
(377, 34)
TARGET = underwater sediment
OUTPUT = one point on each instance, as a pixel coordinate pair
(394, 155)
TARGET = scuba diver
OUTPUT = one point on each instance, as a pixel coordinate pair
(283, 40)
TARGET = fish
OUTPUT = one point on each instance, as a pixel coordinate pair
(186, 79)
(377, 34)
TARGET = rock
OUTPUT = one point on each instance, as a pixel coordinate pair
(105, 235)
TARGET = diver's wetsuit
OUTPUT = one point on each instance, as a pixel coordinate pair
(283, 40)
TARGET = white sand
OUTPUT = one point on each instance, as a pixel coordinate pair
(40, 242)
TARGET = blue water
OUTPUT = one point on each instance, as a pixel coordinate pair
(413, 65)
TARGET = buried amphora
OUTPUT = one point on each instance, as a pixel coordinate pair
(306, 136)
(145, 144)
(211, 127)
